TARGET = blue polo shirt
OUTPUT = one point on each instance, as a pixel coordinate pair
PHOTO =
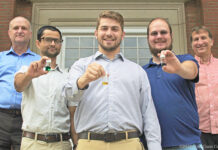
(10, 63)
(174, 99)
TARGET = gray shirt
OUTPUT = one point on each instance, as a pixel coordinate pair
(124, 104)
(44, 109)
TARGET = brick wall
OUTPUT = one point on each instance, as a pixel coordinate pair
(193, 14)
(6, 14)
(23, 8)
(210, 19)
(202, 12)
(8, 10)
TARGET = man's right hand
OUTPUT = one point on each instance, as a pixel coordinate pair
(36, 68)
(93, 72)
(22, 80)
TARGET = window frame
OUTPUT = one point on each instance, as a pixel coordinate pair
(89, 32)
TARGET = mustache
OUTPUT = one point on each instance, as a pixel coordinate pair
(160, 41)
(19, 34)
(109, 39)
(52, 47)
(203, 45)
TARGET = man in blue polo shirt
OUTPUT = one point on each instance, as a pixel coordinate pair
(10, 62)
(172, 79)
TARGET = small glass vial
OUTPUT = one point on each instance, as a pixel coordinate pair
(48, 65)
(162, 57)
(105, 79)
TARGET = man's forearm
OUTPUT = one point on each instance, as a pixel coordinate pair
(21, 81)
(74, 135)
(189, 70)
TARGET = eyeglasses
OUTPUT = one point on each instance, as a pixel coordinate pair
(49, 40)
(162, 32)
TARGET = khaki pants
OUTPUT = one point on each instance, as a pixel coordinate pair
(31, 144)
(128, 144)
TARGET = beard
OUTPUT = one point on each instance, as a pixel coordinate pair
(111, 48)
(155, 51)
(51, 55)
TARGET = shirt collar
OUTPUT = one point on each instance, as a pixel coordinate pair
(151, 63)
(99, 55)
(199, 59)
(57, 68)
(29, 52)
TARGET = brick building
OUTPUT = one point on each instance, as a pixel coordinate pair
(77, 18)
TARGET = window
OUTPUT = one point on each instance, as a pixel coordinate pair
(82, 43)
(81, 18)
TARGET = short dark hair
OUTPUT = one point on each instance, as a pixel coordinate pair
(159, 18)
(112, 15)
(43, 28)
(198, 28)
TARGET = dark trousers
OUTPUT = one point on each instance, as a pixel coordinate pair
(10, 131)
(209, 141)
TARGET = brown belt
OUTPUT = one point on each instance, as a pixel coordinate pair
(11, 111)
(109, 137)
(53, 137)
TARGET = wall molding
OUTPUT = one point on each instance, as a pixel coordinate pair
(61, 1)
(137, 14)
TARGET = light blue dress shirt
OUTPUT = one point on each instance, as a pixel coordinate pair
(10, 63)
(124, 104)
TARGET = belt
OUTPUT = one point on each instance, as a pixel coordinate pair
(109, 137)
(11, 111)
(53, 137)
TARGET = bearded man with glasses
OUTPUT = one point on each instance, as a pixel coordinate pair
(46, 114)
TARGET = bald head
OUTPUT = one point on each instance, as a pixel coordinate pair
(20, 32)
(19, 18)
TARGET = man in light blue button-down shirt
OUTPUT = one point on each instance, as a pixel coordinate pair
(10, 100)
(114, 99)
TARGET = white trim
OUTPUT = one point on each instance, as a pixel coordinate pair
(88, 1)
(91, 30)
(78, 14)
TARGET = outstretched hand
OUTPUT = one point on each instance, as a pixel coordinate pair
(93, 72)
(173, 64)
(36, 68)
